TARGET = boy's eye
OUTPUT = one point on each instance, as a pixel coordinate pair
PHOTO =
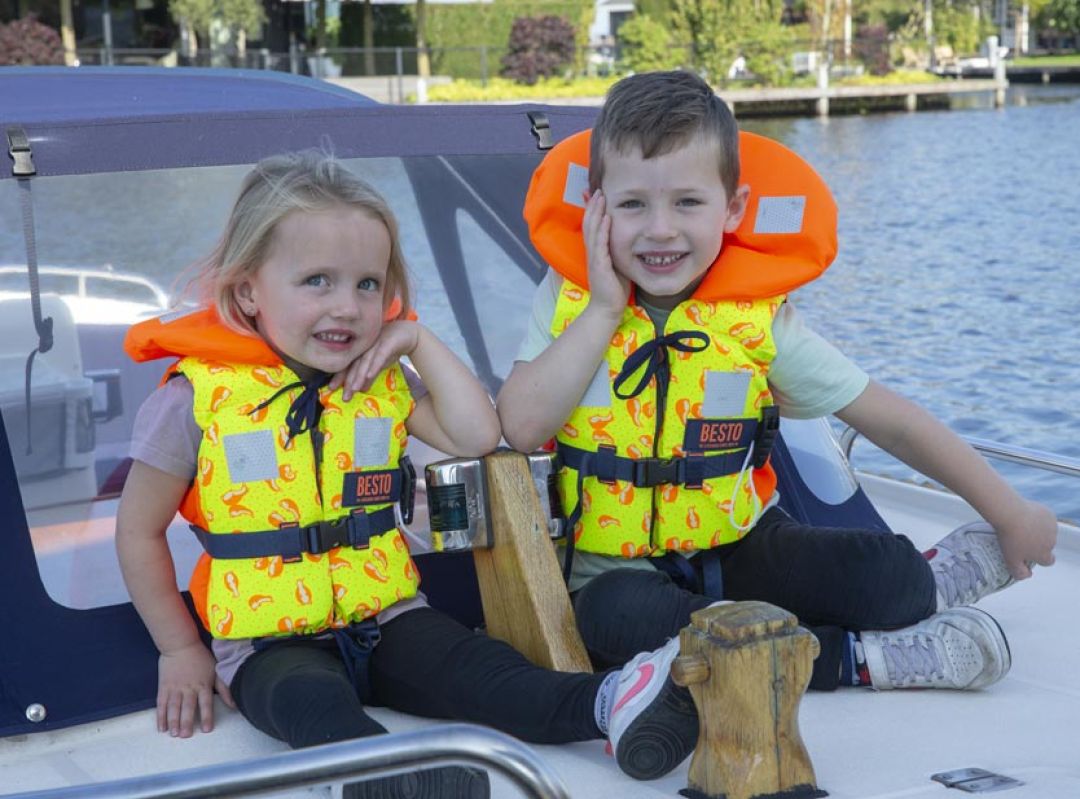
(316, 280)
(368, 284)
(630, 204)
(689, 201)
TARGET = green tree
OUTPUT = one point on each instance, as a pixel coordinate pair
(718, 31)
(1061, 15)
(240, 17)
(647, 45)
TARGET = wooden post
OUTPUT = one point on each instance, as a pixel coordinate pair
(747, 665)
(521, 586)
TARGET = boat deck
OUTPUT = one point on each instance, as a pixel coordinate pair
(863, 744)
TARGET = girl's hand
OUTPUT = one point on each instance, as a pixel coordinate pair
(186, 682)
(1029, 540)
(609, 291)
(396, 339)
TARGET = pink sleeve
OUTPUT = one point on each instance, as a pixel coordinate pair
(165, 434)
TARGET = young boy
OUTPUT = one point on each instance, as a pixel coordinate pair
(660, 372)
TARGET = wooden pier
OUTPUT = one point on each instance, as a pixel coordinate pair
(823, 101)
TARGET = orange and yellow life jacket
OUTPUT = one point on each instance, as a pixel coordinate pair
(297, 540)
(668, 449)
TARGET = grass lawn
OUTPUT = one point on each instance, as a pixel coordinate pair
(1072, 60)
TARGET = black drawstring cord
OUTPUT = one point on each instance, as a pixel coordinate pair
(654, 355)
(305, 410)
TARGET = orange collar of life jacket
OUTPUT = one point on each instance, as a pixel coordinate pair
(202, 334)
(755, 262)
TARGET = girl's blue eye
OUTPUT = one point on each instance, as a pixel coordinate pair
(369, 284)
(315, 280)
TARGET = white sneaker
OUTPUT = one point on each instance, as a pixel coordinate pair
(960, 648)
(968, 565)
(653, 725)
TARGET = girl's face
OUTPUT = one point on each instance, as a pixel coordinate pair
(317, 299)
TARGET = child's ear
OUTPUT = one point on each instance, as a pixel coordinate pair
(737, 206)
(244, 298)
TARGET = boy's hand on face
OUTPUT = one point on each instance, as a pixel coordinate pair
(186, 683)
(395, 340)
(609, 290)
(1028, 539)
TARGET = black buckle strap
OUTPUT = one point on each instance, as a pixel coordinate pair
(767, 431)
(608, 467)
(292, 542)
(650, 472)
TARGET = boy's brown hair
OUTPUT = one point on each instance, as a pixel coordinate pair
(659, 112)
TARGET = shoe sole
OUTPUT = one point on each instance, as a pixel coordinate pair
(661, 737)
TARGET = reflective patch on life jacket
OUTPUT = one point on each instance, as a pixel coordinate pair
(577, 183)
(780, 214)
(725, 394)
(251, 456)
(371, 441)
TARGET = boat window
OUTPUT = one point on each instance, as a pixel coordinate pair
(462, 234)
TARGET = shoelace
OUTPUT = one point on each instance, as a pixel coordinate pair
(961, 575)
(911, 658)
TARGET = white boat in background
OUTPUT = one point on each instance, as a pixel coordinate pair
(95, 296)
(77, 669)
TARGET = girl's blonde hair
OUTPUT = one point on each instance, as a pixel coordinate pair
(308, 181)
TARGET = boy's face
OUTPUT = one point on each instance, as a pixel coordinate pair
(669, 215)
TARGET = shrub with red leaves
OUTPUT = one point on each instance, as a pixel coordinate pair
(539, 47)
(26, 42)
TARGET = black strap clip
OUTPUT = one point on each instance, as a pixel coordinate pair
(541, 129)
(650, 472)
(768, 430)
(20, 152)
(407, 498)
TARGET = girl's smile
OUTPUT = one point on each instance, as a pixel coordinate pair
(317, 299)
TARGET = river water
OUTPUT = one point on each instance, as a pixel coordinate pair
(958, 275)
(956, 283)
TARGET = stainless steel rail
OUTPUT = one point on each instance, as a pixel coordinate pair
(992, 449)
(365, 758)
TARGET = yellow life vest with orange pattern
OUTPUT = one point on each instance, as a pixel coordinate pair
(297, 541)
(669, 452)
(660, 452)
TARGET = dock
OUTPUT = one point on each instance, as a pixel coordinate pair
(823, 101)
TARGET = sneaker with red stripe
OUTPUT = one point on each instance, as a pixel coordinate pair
(654, 724)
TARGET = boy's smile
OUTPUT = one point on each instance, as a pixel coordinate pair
(317, 299)
(668, 218)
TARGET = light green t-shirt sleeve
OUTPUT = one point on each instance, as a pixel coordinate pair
(538, 331)
(810, 377)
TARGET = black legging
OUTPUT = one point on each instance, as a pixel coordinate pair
(833, 579)
(426, 664)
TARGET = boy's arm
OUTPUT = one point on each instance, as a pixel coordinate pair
(1026, 530)
(539, 395)
(186, 674)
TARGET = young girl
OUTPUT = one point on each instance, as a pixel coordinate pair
(289, 481)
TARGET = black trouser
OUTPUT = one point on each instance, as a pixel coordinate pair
(425, 664)
(833, 579)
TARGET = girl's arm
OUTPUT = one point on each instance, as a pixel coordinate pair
(456, 416)
(1026, 530)
(186, 674)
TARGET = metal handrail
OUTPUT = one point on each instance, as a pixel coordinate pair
(992, 449)
(380, 755)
